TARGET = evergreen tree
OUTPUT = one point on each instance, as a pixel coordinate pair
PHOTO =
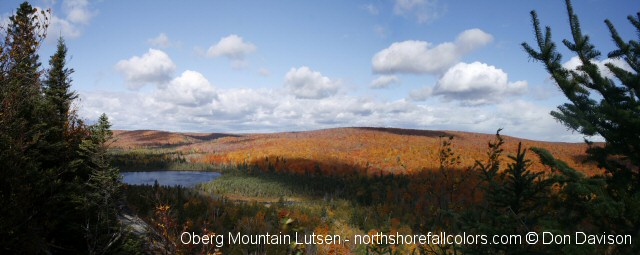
(514, 201)
(57, 190)
(101, 228)
(58, 97)
(58, 82)
(604, 106)
(23, 186)
(61, 138)
(577, 205)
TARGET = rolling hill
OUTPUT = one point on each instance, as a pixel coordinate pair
(340, 150)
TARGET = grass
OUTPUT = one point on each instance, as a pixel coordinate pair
(261, 186)
(296, 193)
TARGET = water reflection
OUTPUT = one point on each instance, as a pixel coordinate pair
(168, 178)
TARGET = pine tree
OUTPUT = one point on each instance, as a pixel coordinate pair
(604, 106)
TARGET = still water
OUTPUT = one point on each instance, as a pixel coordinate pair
(168, 178)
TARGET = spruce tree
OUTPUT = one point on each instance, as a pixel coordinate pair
(603, 106)
(57, 190)
(23, 185)
(102, 190)
(514, 202)
(57, 84)
(62, 135)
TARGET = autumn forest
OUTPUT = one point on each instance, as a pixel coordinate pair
(343, 190)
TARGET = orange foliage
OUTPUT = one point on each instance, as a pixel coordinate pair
(342, 151)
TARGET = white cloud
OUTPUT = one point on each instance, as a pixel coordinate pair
(189, 89)
(423, 10)
(234, 48)
(421, 57)
(414, 57)
(78, 15)
(421, 94)
(242, 106)
(162, 41)
(384, 81)
(574, 62)
(263, 110)
(154, 67)
(305, 83)
(473, 84)
(62, 27)
(78, 11)
(472, 39)
(190, 102)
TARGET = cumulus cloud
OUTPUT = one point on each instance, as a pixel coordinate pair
(384, 81)
(419, 57)
(264, 110)
(234, 48)
(154, 67)
(473, 84)
(303, 82)
(423, 10)
(472, 39)
(191, 88)
(162, 41)
(575, 62)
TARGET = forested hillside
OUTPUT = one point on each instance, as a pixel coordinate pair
(406, 191)
(338, 151)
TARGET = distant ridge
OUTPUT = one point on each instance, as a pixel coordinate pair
(383, 149)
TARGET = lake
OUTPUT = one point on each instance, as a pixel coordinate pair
(168, 178)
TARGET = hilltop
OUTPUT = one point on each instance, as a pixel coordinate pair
(338, 150)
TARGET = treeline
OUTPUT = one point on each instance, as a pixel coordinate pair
(141, 160)
(58, 192)
(479, 199)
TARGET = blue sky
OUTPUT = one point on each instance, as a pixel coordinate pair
(266, 66)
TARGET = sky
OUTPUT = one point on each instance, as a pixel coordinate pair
(271, 66)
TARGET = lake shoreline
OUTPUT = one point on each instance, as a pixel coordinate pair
(168, 177)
